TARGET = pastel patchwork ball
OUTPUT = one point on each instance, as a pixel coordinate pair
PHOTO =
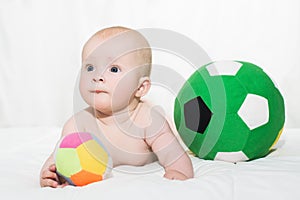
(81, 159)
(229, 110)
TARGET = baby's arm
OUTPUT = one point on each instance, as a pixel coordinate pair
(48, 176)
(170, 153)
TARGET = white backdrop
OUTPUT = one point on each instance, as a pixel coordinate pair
(41, 41)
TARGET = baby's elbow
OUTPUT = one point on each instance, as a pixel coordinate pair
(188, 167)
(190, 173)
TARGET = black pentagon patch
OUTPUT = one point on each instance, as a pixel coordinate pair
(197, 115)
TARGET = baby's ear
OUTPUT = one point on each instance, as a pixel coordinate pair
(144, 86)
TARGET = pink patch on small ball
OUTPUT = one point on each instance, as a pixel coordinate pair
(73, 140)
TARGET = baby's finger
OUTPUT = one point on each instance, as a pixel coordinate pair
(49, 175)
(63, 185)
(49, 183)
(52, 168)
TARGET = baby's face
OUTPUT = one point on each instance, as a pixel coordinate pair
(108, 81)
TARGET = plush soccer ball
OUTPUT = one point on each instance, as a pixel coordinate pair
(229, 110)
(81, 159)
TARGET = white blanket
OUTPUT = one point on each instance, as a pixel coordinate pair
(40, 48)
(277, 176)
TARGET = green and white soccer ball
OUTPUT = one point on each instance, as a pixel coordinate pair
(229, 110)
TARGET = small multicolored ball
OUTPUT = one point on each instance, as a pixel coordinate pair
(81, 159)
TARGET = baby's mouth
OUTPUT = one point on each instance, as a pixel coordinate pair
(97, 91)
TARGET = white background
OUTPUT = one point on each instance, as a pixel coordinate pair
(41, 42)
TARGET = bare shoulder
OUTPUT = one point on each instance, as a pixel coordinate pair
(77, 122)
(154, 119)
(150, 110)
(146, 113)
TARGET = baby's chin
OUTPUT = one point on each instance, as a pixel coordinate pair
(109, 111)
(104, 106)
(103, 110)
(106, 110)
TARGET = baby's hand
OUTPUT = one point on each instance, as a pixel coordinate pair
(175, 175)
(49, 178)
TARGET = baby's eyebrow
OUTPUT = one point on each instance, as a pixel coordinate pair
(89, 60)
(109, 59)
(99, 60)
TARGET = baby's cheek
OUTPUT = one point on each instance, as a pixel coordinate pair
(84, 89)
(121, 95)
(126, 86)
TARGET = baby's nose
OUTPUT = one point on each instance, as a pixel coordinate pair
(100, 79)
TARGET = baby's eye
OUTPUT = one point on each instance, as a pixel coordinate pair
(115, 69)
(90, 68)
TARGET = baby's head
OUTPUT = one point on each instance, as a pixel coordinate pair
(116, 65)
(132, 41)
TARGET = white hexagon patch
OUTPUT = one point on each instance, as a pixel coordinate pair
(254, 111)
(237, 156)
(223, 68)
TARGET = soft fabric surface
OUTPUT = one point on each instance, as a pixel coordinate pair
(277, 176)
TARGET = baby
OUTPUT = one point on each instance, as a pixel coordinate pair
(116, 65)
